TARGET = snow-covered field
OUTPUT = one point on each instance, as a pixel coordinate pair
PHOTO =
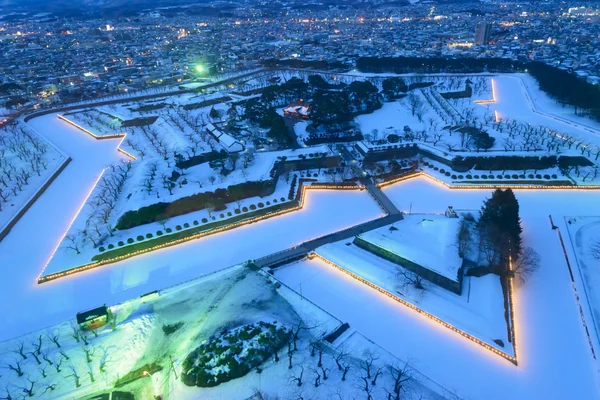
(62, 362)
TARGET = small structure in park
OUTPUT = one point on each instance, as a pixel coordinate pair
(93, 319)
(297, 109)
(228, 142)
(450, 213)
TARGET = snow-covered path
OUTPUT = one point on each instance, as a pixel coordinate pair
(26, 249)
(555, 360)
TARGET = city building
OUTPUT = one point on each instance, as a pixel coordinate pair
(482, 33)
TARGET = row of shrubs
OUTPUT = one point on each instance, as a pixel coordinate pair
(463, 94)
(517, 162)
(491, 176)
(186, 225)
(292, 193)
(218, 199)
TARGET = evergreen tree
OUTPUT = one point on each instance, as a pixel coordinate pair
(500, 224)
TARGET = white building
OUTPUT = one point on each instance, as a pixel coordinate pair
(228, 142)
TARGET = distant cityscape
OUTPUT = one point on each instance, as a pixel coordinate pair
(49, 60)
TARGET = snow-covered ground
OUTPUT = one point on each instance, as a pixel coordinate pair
(584, 235)
(550, 334)
(324, 212)
(64, 362)
(479, 311)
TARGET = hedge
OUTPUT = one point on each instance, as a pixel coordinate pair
(516, 163)
(218, 199)
(186, 233)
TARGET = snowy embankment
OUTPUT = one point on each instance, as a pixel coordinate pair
(549, 331)
(518, 98)
(547, 105)
(426, 240)
(27, 163)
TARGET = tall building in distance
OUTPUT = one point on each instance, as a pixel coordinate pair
(482, 33)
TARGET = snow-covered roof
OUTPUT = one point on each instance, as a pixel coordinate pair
(302, 110)
(228, 142)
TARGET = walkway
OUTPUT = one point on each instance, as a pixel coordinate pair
(296, 252)
(380, 197)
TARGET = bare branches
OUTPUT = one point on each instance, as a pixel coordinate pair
(595, 249)
(407, 278)
(527, 263)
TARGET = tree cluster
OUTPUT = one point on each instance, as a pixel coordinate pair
(22, 155)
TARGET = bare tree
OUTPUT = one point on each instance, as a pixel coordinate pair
(54, 339)
(527, 264)
(595, 249)
(463, 238)
(346, 368)
(317, 377)
(413, 103)
(89, 354)
(367, 364)
(339, 357)
(75, 375)
(29, 391)
(298, 377)
(16, 368)
(366, 388)
(73, 243)
(21, 351)
(400, 375)
(407, 278)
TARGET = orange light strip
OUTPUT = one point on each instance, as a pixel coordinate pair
(97, 137)
(486, 186)
(71, 223)
(42, 279)
(492, 100)
(425, 313)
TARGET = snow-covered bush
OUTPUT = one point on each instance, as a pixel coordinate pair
(233, 354)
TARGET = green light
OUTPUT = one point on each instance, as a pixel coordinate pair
(199, 68)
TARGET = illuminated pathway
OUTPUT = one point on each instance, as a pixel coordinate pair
(514, 101)
(555, 360)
